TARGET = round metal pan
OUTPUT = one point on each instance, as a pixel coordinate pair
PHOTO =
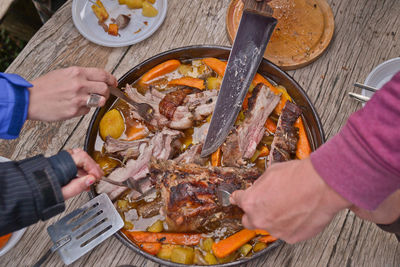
(310, 117)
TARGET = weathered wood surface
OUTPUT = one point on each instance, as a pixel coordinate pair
(4, 6)
(367, 33)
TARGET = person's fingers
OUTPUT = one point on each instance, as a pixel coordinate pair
(236, 197)
(77, 186)
(99, 88)
(84, 161)
(247, 223)
(100, 75)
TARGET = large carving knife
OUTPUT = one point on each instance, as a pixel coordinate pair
(254, 32)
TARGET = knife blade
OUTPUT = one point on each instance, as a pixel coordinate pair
(251, 40)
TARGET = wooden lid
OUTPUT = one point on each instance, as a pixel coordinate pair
(304, 30)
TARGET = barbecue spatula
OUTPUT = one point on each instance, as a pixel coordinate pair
(83, 229)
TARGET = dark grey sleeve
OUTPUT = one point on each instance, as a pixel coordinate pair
(30, 190)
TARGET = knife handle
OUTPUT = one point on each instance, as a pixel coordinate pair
(259, 6)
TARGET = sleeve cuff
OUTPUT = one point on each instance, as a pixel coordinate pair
(14, 104)
(45, 187)
(64, 167)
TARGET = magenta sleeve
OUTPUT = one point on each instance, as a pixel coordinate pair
(362, 162)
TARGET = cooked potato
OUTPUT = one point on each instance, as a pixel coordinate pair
(210, 259)
(213, 83)
(156, 227)
(152, 1)
(184, 69)
(112, 124)
(134, 4)
(259, 246)
(107, 164)
(245, 249)
(184, 255)
(166, 251)
(128, 225)
(121, 2)
(148, 10)
(206, 244)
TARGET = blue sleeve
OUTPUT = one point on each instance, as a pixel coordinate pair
(14, 103)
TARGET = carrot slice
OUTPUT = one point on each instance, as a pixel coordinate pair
(4, 239)
(260, 79)
(261, 232)
(216, 65)
(270, 125)
(264, 151)
(303, 149)
(113, 29)
(161, 69)
(226, 246)
(151, 248)
(164, 238)
(136, 131)
(216, 157)
(189, 81)
(268, 239)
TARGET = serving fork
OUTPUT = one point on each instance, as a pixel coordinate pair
(360, 97)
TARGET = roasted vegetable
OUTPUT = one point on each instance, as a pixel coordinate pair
(229, 245)
(216, 65)
(184, 255)
(123, 205)
(216, 157)
(4, 239)
(107, 164)
(188, 81)
(303, 145)
(136, 131)
(100, 11)
(267, 239)
(128, 225)
(206, 244)
(134, 4)
(165, 238)
(245, 249)
(161, 69)
(210, 259)
(184, 69)
(259, 246)
(151, 248)
(149, 10)
(213, 83)
(166, 251)
(270, 125)
(156, 227)
(112, 124)
(113, 29)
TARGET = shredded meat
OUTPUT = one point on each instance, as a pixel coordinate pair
(189, 192)
(172, 100)
(283, 146)
(242, 143)
(122, 148)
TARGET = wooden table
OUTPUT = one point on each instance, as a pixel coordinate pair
(367, 33)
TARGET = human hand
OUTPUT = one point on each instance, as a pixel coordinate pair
(290, 200)
(63, 93)
(88, 173)
(387, 212)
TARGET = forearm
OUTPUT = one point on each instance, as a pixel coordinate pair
(362, 162)
(31, 190)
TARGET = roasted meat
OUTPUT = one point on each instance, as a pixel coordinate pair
(192, 155)
(242, 143)
(159, 146)
(189, 192)
(122, 148)
(283, 146)
(172, 100)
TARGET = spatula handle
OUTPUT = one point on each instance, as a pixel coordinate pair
(43, 258)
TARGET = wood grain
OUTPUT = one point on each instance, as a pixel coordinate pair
(367, 33)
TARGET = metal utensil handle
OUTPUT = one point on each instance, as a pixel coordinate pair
(366, 87)
(59, 244)
(118, 93)
(112, 181)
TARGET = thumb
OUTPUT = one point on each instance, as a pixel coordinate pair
(77, 185)
(236, 197)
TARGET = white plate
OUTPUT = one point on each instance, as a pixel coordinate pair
(381, 74)
(86, 22)
(16, 236)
